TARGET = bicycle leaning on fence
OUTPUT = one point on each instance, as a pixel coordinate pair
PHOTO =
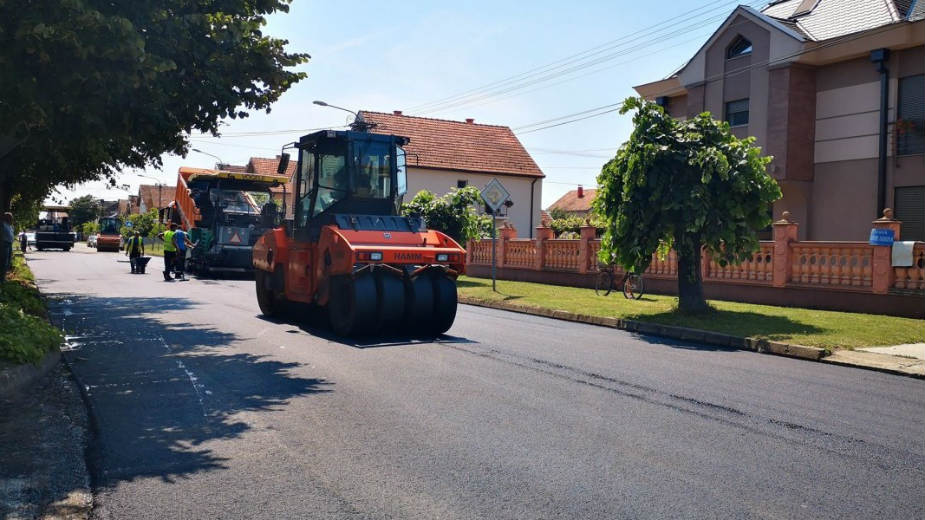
(631, 284)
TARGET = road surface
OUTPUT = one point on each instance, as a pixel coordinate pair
(203, 409)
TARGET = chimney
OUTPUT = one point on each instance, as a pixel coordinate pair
(469, 120)
(581, 191)
(396, 112)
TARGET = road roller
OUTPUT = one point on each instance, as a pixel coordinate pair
(345, 249)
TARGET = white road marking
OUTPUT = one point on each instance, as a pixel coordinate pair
(194, 381)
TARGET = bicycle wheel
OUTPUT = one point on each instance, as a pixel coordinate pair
(633, 287)
(604, 283)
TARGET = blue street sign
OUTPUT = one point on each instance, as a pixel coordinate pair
(881, 237)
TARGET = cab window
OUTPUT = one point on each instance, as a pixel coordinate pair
(373, 179)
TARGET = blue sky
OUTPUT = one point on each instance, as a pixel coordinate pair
(386, 56)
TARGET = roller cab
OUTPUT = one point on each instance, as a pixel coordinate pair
(348, 252)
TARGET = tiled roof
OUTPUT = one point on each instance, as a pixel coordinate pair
(155, 196)
(236, 168)
(833, 18)
(266, 166)
(457, 145)
(572, 203)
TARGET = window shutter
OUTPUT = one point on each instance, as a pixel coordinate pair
(911, 135)
(909, 208)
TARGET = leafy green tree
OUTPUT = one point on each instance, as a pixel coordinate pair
(88, 228)
(25, 211)
(683, 184)
(94, 86)
(455, 213)
(144, 223)
(83, 209)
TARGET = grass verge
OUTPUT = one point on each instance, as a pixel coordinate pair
(25, 333)
(826, 329)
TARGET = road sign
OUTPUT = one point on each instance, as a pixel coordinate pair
(881, 237)
(495, 195)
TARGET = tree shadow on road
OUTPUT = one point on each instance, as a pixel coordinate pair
(162, 393)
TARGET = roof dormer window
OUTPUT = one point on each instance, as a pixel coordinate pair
(740, 47)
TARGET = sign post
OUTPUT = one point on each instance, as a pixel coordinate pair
(495, 195)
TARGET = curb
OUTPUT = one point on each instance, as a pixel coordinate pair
(683, 333)
(14, 378)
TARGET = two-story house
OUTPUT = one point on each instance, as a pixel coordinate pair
(834, 90)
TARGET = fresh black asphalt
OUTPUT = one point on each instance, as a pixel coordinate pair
(203, 409)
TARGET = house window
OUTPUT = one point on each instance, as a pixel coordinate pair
(910, 124)
(737, 112)
(462, 183)
(740, 47)
(909, 208)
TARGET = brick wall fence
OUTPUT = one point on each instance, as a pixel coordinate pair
(848, 276)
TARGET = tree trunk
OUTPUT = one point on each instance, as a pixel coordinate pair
(690, 283)
(6, 195)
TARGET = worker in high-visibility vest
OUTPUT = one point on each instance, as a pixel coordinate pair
(135, 249)
(170, 251)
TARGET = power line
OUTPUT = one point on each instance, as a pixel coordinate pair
(569, 121)
(742, 70)
(571, 58)
(566, 116)
(578, 65)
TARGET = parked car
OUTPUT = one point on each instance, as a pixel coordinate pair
(91, 240)
(30, 237)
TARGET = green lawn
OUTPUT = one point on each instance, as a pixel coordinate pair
(155, 249)
(827, 329)
(25, 334)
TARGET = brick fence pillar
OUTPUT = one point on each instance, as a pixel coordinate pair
(543, 233)
(882, 274)
(785, 232)
(587, 233)
(507, 232)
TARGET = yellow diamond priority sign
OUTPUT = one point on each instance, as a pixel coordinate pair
(495, 195)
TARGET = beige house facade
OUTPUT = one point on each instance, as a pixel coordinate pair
(833, 90)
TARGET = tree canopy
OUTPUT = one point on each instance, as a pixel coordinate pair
(94, 86)
(455, 213)
(83, 209)
(683, 184)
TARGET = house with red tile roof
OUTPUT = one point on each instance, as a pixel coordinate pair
(444, 154)
(576, 202)
(154, 196)
(267, 166)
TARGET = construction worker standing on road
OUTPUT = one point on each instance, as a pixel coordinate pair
(182, 242)
(135, 249)
(170, 251)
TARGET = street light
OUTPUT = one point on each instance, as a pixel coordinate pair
(359, 124)
(220, 161)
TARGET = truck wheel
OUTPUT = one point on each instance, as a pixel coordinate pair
(444, 305)
(267, 299)
(352, 306)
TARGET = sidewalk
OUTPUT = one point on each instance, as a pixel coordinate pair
(43, 436)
